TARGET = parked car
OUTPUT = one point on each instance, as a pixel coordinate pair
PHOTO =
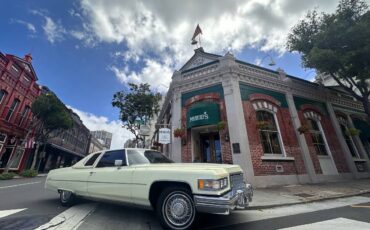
(148, 179)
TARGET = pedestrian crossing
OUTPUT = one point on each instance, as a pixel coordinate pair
(5, 213)
(335, 224)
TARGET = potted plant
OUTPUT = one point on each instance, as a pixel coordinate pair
(179, 132)
(221, 125)
(262, 124)
(352, 132)
(303, 129)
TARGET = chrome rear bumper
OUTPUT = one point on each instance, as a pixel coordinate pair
(235, 199)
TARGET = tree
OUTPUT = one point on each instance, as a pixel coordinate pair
(52, 119)
(137, 106)
(338, 45)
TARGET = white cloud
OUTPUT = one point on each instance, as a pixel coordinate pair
(54, 30)
(93, 122)
(159, 31)
(29, 25)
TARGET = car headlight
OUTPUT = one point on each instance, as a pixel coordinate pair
(211, 184)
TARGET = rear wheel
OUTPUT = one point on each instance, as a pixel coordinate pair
(67, 198)
(175, 208)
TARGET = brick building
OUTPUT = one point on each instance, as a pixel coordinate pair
(18, 89)
(279, 128)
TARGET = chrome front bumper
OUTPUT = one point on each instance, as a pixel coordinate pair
(235, 199)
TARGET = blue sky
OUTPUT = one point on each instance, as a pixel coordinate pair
(87, 50)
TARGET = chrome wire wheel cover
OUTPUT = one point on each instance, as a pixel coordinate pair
(178, 210)
(65, 196)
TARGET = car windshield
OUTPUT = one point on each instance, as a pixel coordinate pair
(137, 156)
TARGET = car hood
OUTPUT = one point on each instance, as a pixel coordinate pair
(219, 168)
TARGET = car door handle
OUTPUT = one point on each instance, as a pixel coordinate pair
(92, 173)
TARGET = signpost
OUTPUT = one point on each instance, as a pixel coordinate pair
(164, 136)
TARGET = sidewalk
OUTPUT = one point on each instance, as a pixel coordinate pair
(296, 194)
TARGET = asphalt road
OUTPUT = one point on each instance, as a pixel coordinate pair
(40, 205)
(359, 212)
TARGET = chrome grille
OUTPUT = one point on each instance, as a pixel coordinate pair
(237, 181)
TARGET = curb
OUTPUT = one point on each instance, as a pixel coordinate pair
(306, 201)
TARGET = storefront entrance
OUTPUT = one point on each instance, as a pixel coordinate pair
(210, 148)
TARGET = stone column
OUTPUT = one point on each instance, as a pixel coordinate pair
(176, 123)
(237, 128)
(342, 142)
(310, 169)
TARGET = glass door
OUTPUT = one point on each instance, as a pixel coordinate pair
(210, 148)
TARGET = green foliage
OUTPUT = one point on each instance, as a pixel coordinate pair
(7, 176)
(338, 45)
(137, 106)
(28, 173)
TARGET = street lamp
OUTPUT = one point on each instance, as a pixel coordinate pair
(271, 63)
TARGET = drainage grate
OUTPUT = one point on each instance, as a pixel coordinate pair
(304, 195)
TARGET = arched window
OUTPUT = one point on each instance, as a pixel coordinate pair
(269, 132)
(317, 137)
(347, 137)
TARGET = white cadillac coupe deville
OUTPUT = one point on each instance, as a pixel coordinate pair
(148, 179)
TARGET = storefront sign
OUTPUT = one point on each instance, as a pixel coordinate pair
(203, 114)
(164, 136)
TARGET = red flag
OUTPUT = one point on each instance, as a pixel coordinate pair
(196, 32)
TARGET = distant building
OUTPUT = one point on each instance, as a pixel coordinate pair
(18, 90)
(105, 136)
(130, 143)
(95, 145)
(67, 147)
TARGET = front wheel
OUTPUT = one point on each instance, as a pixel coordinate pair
(67, 198)
(175, 208)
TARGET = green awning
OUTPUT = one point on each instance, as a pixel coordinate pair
(363, 126)
(203, 113)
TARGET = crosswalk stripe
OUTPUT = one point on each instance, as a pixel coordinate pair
(16, 185)
(5, 213)
(337, 224)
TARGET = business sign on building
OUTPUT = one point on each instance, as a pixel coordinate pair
(203, 114)
(164, 136)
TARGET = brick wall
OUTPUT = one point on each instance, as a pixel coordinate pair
(263, 167)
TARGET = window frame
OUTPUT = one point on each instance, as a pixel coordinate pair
(278, 131)
(3, 95)
(24, 114)
(343, 124)
(12, 110)
(321, 132)
(124, 161)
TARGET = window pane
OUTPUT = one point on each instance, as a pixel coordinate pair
(135, 157)
(92, 159)
(275, 143)
(156, 157)
(109, 157)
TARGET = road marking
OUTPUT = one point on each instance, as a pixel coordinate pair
(337, 224)
(360, 206)
(245, 216)
(5, 213)
(16, 185)
(69, 219)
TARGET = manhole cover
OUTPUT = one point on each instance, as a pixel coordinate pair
(304, 195)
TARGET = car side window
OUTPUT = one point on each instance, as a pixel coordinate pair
(107, 160)
(92, 159)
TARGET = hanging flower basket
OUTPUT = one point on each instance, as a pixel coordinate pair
(179, 132)
(221, 125)
(303, 129)
(262, 124)
(352, 132)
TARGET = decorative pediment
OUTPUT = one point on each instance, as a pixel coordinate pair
(27, 66)
(199, 58)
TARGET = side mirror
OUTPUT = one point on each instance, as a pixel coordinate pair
(117, 162)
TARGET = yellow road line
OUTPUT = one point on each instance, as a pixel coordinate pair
(360, 206)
